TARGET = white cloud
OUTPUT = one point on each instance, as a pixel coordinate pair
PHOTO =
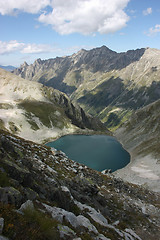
(10, 47)
(86, 16)
(70, 16)
(11, 7)
(147, 11)
(36, 48)
(14, 46)
(154, 30)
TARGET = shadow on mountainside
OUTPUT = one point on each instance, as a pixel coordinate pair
(114, 93)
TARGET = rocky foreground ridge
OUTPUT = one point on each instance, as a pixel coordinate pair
(39, 113)
(45, 195)
(106, 84)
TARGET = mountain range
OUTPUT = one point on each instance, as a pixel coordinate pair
(117, 88)
(44, 194)
(8, 68)
(106, 84)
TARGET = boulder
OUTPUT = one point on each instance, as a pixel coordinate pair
(1, 225)
(10, 195)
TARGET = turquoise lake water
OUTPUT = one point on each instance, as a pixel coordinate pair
(98, 152)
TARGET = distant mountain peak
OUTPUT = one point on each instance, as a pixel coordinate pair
(25, 64)
(8, 68)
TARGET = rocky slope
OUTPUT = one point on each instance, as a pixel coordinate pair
(45, 195)
(38, 113)
(107, 84)
(141, 137)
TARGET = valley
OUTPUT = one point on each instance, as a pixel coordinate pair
(122, 90)
(64, 96)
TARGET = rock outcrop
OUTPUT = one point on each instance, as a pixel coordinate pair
(45, 195)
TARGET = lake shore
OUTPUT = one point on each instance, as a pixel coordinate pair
(76, 131)
(142, 170)
(96, 151)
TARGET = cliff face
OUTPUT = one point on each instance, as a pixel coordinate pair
(38, 113)
(106, 84)
(45, 195)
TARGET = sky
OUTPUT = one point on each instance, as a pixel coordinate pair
(31, 29)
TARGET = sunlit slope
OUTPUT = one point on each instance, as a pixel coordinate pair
(36, 112)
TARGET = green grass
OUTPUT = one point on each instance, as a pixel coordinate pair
(32, 225)
(13, 128)
(2, 124)
(4, 180)
(46, 112)
(5, 106)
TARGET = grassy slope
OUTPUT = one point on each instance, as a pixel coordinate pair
(142, 131)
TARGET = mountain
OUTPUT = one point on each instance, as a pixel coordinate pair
(8, 68)
(106, 84)
(140, 135)
(39, 113)
(118, 88)
(46, 196)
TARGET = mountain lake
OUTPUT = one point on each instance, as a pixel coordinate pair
(98, 152)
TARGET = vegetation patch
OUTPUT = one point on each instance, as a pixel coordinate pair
(32, 225)
(45, 112)
(4, 179)
(13, 128)
(6, 106)
(2, 124)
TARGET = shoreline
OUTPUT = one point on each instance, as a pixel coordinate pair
(86, 132)
(142, 170)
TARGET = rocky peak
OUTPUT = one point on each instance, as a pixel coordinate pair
(38, 61)
(25, 64)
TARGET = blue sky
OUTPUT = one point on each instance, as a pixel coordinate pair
(49, 28)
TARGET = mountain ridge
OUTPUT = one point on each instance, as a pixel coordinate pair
(32, 110)
(8, 68)
(41, 185)
(118, 76)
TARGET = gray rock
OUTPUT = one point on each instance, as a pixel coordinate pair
(76, 221)
(30, 194)
(84, 222)
(65, 231)
(96, 216)
(27, 204)
(130, 234)
(3, 238)
(10, 195)
(1, 225)
(101, 237)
